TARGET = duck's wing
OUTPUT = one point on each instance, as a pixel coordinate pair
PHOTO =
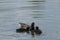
(23, 25)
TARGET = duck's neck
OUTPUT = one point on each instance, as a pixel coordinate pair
(33, 24)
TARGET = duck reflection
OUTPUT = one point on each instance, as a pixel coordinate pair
(37, 1)
(37, 8)
(30, 30)
(32, 33)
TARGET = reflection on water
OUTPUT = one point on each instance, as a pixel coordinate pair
(36, 1)
(37, 15)
(36, 8)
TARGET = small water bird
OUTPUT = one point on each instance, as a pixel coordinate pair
(29, 28)
(37, 30)
(25, 26)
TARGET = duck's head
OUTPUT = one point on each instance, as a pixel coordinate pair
(33, 24)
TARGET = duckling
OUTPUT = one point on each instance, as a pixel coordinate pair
(38, 31)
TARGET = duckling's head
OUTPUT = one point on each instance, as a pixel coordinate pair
(37, 27)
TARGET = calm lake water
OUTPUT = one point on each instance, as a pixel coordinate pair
(45, 13)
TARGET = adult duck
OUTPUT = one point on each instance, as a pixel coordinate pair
(26, 26)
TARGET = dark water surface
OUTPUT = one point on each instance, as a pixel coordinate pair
(46, 14)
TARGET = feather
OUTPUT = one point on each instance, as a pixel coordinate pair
(23, 25)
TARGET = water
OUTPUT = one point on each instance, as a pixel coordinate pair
(46, 14)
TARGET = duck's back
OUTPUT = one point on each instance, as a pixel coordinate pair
(23, 25)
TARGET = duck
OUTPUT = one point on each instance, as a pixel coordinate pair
(21, 30)
(26, 26)
(37, 30)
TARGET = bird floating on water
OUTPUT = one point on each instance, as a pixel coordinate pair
(26, 28)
